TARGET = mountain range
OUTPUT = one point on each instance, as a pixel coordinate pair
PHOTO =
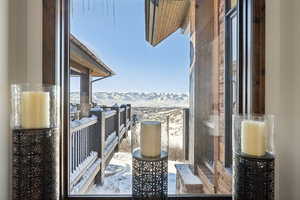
(136, 99)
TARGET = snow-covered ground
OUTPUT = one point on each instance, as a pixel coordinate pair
(118, 176)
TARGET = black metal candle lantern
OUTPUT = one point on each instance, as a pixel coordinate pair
(253, 158)
(35, 164)
(150, 176)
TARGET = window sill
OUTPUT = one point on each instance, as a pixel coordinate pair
(171, 197)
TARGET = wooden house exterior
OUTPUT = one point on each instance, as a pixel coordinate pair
(203, 21)
(84, 63)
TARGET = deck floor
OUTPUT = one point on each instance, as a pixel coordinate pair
(118, 176)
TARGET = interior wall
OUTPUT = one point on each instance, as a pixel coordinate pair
(282, 91)
(4, 101)
(26, 41)
(20, 62)
(34, 40)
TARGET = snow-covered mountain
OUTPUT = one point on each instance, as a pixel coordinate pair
(136, 99)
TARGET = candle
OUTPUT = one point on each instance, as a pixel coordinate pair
(150, 138)
(253, 138)
(35, 110)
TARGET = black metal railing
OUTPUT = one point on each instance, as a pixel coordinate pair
(186, 132)
(123, 117)
(84, 145)
(111, 124)
(94, 140)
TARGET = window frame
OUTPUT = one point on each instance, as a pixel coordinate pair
(56, 31)
(230, 13)
(251, 64)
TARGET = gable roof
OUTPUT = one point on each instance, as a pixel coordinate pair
(83, 59)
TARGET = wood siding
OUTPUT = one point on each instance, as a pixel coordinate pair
(258, 23)
(208, 103)
(51, 28)
(165, 17)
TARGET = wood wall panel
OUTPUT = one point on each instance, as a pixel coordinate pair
(258, 62)
(50, 41)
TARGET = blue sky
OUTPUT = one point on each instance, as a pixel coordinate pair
(117, 35)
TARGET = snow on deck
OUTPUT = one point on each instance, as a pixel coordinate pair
(118, 176)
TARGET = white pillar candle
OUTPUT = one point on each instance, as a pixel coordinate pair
(35, 110)
(253, 138)
(150, 138)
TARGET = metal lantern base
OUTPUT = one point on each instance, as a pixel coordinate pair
(150, 176)
(253, 177)
(35, 164)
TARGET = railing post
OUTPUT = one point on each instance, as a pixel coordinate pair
(129, 115)
(101, 141)
(186, 112)
(129, 105)
(125, 115)
(102, 144)
(117, 123)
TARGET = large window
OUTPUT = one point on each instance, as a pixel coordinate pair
(232, 78)
(205, 24)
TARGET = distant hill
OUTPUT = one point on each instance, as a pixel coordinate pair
(152, 99)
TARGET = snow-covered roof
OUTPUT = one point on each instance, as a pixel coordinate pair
(82, 57)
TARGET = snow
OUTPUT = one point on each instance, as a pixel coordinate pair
(118, 176)
(187, 175)
(84, 165)
(86, 177)
(110, 138)
(85, 120)
(118, 182)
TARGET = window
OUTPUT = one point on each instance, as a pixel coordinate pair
(245, 63)
(232, 78)
(232, 62)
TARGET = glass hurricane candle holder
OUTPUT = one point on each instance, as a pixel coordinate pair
(254, 135)
(34, 106)
(35, 139)
(150, 138)
(253, 157)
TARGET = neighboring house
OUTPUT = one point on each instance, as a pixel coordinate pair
(84, 63)
(94, 138)
(203, 22)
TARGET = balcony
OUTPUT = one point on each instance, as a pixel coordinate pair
(92, 143)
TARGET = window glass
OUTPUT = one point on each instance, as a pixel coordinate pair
(232, 83)
(152, 63)
(234, 65)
